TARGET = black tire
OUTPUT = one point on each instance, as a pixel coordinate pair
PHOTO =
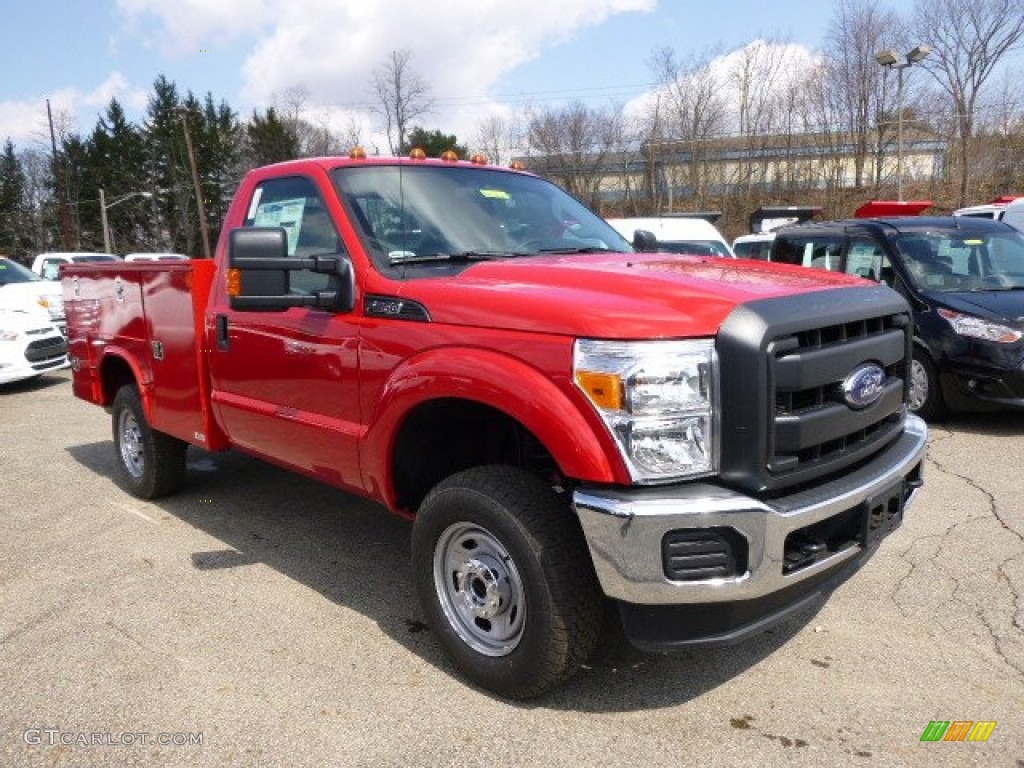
(926, 398)
(497, 543)
(150, 464)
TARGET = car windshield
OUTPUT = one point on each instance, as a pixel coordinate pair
(954, 260)
(418, 215)
(696, 247)
(13, 272)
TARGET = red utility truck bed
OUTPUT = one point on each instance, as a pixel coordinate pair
(151, 315)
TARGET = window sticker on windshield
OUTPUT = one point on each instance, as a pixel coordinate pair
(974, 242)
(495, 194)
(284, 213)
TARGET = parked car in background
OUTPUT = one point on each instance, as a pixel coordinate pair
(964, 279)
(678, 233)
(47, 265)
(763, 223)
(1014, 214)
(994, 209)
(22, 289)
(754, 246)
(30, 345)
(155, 257)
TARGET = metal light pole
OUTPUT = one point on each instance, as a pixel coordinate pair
(103, 213)
(892, 60)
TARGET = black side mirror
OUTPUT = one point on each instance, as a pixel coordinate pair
(644, 241)
(259, 274)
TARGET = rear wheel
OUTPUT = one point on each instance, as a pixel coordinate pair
(150, 463)
(925, 390)
(505, 579)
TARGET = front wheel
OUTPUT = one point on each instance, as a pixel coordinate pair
(505, 579)
(150, 463)
(925, 390)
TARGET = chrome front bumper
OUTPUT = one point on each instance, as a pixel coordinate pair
(624, 528)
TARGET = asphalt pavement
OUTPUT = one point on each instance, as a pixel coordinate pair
(258, 618)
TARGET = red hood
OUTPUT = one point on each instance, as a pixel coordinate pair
(626, 296)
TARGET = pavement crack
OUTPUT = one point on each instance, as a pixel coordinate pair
(1001, 641)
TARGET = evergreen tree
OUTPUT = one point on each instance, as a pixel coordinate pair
(168, 171)
(434, 143)
(14, 241)
(271, 139)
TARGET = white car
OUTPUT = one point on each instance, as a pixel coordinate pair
(21, 288)
(755, 246)
(678, 234)
(155, 257)
(30, 345)
(1014, 214)
(47, 265)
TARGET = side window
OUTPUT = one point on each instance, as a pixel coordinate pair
(51, 269)
(295, 204)
(789, 250)
(865, 259)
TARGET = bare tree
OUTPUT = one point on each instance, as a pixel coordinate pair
(574, 143)
(858, 30)
(495, 138)
(690, 110)
(402, 96)
(969, 39)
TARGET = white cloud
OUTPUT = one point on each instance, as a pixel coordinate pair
(331, 47)
(186, 26)
(772, 67)
(25, 122)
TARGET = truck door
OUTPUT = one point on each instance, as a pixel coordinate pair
(285, 384)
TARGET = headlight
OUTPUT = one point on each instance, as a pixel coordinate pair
(976, 328)
(657, 399)
(52, 304)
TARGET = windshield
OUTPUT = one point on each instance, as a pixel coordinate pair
(949, 261)
(409, 215)
(13, 272)
(694, 247)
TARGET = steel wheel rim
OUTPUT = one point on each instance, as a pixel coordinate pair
(918, 385)
(479, 589)
(131, 444)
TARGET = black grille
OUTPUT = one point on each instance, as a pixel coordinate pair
(812, 425)
(786, 423)
(45, 350)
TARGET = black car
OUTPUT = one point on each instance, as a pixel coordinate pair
(964, 279)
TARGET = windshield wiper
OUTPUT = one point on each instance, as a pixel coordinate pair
(578, 249)
(409, 257)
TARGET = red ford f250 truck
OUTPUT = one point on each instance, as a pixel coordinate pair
(704, 444)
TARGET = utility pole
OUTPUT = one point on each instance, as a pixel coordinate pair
(204, 230)
(63, 214)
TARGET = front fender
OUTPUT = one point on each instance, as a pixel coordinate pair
(580, 446)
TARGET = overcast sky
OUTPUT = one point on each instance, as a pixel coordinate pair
(480, 57)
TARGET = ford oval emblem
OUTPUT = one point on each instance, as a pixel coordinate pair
(864, 385)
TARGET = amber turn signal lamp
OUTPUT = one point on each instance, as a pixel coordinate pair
(603, 389)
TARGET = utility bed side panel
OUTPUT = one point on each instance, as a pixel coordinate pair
(175, 332)
(151, 315)
(104, 311)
